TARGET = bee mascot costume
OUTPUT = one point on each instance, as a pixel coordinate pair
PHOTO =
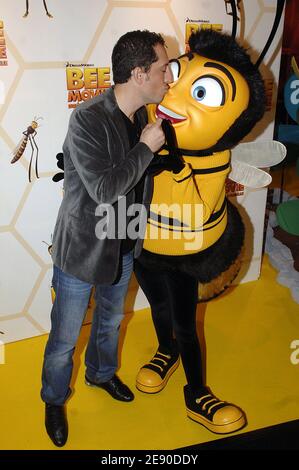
(194, 235)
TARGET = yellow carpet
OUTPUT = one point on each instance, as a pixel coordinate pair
(248, 333)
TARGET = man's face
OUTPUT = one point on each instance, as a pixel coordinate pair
(157, 78)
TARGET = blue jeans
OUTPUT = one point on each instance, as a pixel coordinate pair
(68, 311)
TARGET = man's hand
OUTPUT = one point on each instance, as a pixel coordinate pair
(171, 162)
(153, 136)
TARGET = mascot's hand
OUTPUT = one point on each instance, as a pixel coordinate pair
(172, 161)
(165, 162)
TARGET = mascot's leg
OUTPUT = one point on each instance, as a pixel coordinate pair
(202, 406)
(173, 299)
(182, 293)
(154, 375)
(170, 295)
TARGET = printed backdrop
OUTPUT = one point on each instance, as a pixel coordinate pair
(50, 60)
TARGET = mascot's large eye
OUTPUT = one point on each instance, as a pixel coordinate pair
(209, 91)
(175, 68)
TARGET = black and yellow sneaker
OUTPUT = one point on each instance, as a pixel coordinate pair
(218, 416)
(154, 375)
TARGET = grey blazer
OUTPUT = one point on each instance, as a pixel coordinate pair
(98, 168)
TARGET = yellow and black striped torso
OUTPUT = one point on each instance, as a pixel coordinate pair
(188, 210)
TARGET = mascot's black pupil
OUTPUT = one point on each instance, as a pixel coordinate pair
(200, 92)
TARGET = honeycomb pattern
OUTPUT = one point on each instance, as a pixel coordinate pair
(33, 84)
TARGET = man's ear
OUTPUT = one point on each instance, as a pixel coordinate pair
(138, 75)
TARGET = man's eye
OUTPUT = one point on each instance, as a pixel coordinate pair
(208, 91)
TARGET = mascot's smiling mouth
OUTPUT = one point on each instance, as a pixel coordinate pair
(165, 113)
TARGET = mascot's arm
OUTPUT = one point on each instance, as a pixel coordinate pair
(201, 195)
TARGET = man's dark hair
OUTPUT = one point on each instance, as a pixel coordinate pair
(134, 49)
(221, 47)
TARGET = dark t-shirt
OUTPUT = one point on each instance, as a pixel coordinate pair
(134, 131)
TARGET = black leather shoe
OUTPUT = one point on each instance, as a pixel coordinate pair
(114, 387)
(56, 424)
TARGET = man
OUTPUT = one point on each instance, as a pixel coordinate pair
(107, 150)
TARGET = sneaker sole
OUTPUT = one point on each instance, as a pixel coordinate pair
(216, 428)
(157, 388)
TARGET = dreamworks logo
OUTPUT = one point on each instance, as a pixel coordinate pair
(164, 222)
(2, 352)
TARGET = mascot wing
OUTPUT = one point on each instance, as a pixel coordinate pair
(246, 157)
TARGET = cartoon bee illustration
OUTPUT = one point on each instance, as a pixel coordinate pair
(60, 164)
(27, 9)
(29, 134)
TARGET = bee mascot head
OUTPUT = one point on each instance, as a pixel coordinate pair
(217, 94)
(216, 97)
(237, 96)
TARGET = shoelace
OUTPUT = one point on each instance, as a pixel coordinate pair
(213, 399)
(156, 358)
